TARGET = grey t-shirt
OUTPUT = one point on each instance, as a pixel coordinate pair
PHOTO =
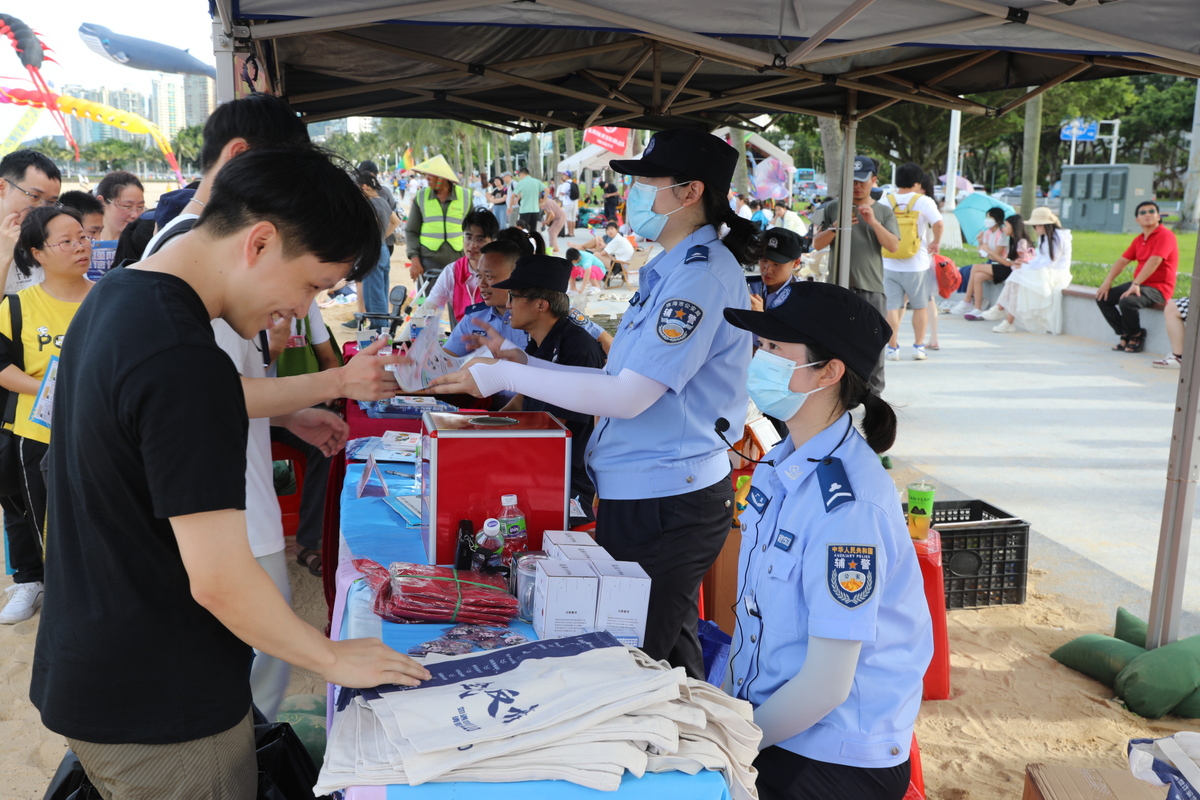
(866, 254)
(383, 212)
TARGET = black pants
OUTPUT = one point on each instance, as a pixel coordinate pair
(24, 540)
(675, 539)
(1122, 313)
(784, 775)
(531, 220)
(311, 529)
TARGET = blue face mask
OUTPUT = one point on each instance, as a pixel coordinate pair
(768, 382)
(639, 210)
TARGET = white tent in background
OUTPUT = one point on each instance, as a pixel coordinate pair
(763, 146)
(593, 156)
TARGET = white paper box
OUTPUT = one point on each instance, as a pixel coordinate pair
(564, 598)
(573, 552)
(622, 601)
(553, 540)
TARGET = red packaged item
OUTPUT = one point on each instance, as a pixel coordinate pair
(418, 593)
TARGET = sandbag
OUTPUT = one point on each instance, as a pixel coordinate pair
(1189, 706)
(1158, 680)
(1097, 656)
(1129, 628)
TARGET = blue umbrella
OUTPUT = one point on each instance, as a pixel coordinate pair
(972, 210)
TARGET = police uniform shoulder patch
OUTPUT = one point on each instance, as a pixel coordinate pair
(780, 296)
(697, 252)
(852, 573)
(471, 309)
(835, 486)
(577, 317)
(757, 499)
(677, 320)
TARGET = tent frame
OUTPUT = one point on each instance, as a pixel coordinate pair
(787, 75)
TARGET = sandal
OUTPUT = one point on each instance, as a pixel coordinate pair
(310, 559)
(1137, 342)
(1121, 345)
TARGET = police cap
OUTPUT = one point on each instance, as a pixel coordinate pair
(539, 272)
(687, 153)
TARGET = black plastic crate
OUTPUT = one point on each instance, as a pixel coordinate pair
(984, 566)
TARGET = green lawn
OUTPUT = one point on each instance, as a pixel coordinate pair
(1093, 254)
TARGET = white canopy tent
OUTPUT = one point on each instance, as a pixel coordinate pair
(518, 65)
(593, 156)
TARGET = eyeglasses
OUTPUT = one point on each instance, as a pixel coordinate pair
(514, 296)
(72, 244)
(1147, 211)
(37, 199)
(127, 207)
(476, 239)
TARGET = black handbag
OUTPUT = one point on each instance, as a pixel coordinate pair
(10, 458)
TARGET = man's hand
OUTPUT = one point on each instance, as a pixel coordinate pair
(1102, 292)
(1133, 289)
(364, 377)
(494, 342)
(415, 269)
(866, 214)
(934, 248)
(461, 382)
(322, 429)
(756, 302)
(367, 663)
(10, 231)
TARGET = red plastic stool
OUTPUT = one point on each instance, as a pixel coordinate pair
(289, 504)
(916, 780)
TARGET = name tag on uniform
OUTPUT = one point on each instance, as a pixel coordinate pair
(783, 540)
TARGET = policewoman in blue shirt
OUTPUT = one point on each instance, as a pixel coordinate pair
(833, 631)
(675, 368)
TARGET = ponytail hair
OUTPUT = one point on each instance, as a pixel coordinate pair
(879, 418)
(742, 239)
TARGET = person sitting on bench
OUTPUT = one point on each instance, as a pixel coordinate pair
(1157, 254)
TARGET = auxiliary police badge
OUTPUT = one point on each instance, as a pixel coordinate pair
(852, 573)
(677, 320)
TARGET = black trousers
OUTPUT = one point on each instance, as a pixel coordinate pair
(1122, 314)
(880, 303)
(24, 540)
(311, 529)
(675, 539)
(784, 775)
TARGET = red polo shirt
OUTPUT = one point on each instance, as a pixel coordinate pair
(1159, 243)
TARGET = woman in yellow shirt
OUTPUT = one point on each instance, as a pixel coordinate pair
(53, 239)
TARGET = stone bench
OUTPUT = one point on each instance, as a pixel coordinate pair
(1081, 317)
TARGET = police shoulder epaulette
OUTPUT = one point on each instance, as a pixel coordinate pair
(835, 485)
(697, 252)
(471, 309)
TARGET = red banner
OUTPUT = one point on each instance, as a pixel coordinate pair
(615, 140)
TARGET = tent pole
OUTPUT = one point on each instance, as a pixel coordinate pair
(833, 26)
(1166, 600)
(226, 83)
(846, 194)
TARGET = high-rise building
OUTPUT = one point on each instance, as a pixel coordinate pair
(83, 131)
(167, 105)
(123, 100)
(199, 98)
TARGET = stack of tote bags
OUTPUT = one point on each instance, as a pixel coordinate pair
(583, 709)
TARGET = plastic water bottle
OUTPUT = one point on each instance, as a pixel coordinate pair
(512, 526)
(489, 546)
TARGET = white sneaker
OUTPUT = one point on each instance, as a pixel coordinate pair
(1170, 362)
(974, 315)
(24, 599)
(961, 307)
(919, 352)
(1005, 327)
(591, 290)
(893, 353)
(994, 313)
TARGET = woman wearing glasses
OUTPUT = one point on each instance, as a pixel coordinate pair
(124, 201)
(52, 239)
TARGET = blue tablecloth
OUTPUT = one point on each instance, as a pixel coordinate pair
(371, 529)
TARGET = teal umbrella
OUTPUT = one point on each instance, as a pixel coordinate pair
(972, 210)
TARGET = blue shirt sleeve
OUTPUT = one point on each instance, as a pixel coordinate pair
(676, 337)
(455, 343)
(843, 570)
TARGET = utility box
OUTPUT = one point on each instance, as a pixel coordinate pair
(1102, 197)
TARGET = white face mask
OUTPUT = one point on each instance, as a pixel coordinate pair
(989, 223)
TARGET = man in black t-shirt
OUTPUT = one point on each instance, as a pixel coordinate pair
(612, 196)
(153, 596)
(538, 305)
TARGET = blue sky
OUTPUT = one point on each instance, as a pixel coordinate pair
(183, 24)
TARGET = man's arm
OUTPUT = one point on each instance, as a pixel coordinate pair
(363, 378)
(936, 245)
(1117, 268)
(412, 238)
(326, 355)
(227, 581)
(1144, 271)
(15, 380)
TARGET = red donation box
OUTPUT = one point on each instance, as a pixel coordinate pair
(468, 460)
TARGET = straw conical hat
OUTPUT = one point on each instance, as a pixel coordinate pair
(437, 167)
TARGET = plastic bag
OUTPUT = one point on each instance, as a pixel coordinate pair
(1169, 762)
(714, 643)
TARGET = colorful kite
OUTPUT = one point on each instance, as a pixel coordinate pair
(94, 112)
(32, 52)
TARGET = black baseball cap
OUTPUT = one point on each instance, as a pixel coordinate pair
(781, 245)
(685, 152)
(539, 272)
(864, 167)
(369, 166)
(829, 316)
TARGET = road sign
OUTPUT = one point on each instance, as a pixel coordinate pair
(1079, 130)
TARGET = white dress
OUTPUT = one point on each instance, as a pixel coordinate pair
(1033, 293)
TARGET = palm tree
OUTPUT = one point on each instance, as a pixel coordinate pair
(52, 150)
(187, 145)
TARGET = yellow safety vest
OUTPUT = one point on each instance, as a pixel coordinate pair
(438, 228)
